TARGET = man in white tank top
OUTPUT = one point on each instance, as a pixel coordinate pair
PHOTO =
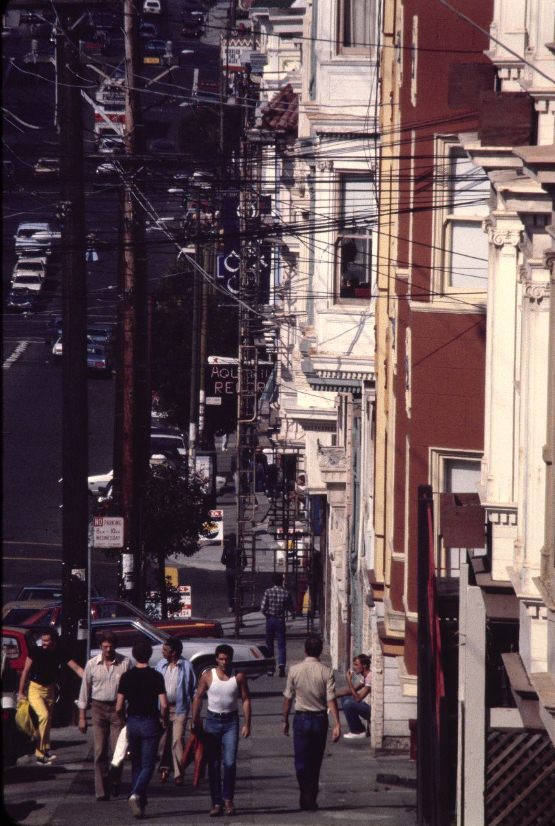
(221, 727)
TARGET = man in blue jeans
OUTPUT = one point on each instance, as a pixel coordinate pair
(144, 690)
(354, 703)
(276, 601)
(221, 727)
(311, 684)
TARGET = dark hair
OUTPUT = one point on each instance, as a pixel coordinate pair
(223, 648)
(50, 632)
(174, 645)
(108, 636)
(363, 659)
(142, 651)
(277, 578)
(313, 646)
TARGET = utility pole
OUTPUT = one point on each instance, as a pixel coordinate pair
(132, 447)
(195, 363)
(74, 358)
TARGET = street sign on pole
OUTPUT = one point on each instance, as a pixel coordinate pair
(108, 532)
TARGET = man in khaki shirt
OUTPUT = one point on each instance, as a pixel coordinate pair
(312, 685)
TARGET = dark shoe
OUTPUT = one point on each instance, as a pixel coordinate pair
(164, 775)
(114, 780)
(215, 811)
(178, 780)
(50, 755)
(135, 805)
(230, 810)
(282, 671)
(103, 797)
(43, 760)
(270, 673)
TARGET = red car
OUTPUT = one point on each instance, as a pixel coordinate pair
(109, 608)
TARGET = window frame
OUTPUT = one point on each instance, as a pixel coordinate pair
(447, 148)
(342, 49)
(347, 229)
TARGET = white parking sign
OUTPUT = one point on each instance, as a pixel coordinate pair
(108, 532)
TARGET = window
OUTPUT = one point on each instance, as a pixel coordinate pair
(354, 242)
(464, 243)
(452, 472)
(355, 25)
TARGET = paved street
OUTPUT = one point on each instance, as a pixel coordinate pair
(357, 786)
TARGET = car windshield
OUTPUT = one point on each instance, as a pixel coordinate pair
(28, 279)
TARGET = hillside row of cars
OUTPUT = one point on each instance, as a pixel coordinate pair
(36, 247)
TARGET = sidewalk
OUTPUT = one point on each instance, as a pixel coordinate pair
(356, 785)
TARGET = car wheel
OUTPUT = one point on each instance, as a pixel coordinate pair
(202, 665)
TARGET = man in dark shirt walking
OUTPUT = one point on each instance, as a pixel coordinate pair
(275, 602)
(145, 692)
(311, 684)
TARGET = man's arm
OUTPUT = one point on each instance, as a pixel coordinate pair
(164, 708)
(332, 706)
(24, 677)
(264, 603)
(287, 703)
(246, 698)
(120, 705)
(83, 701)
(202, 688)
(76, 667)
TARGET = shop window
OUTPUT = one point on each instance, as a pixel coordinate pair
(354, 241)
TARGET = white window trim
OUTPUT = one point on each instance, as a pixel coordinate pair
(438, 457)
(355, 51)
(443, 295)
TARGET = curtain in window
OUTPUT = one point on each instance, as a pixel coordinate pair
(356, 23)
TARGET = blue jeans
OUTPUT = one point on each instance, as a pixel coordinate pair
(143, 736)
(222, 739)
(275, 627)
(309, 741)
(353, 711)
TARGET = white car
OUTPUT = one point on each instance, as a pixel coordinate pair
(107, 168)
(152, 7)
(27, 281)
(30, 266)
(57, 348)
(99, 483)
(111, 145)
(26, 237)
(248, 656)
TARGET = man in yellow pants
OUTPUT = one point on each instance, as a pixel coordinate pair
(42, 668)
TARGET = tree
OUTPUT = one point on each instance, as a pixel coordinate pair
(174, 511)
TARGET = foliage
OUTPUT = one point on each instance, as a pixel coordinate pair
(174, 510)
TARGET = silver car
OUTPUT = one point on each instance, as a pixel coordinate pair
(248, 657)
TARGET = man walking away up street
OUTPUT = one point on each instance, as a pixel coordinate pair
(42, 669)
(312, 686)
(99, 688)
(180, 682)
(231, 558)
(221, 728)
(145, 693)
(275, 602)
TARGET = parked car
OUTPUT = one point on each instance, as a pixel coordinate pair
(147, 31)
(49, 167)
(166, 438)
(152, 7)
(161, 145)
(22, 300)
(110, 145)
(15, 648)
(57, 348)
(15, 611)
(182, 627)
(27, 281)
(26, 237)
(101, 332)
(99, 358)
(155, 48)
(30, 266)
(99, 482)
(248, 656)
(108, 169)
(47, 591)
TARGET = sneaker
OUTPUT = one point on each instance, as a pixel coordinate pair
(351, 735)
(43, 760)
(282, 671)
(135, 805)
(50, 755)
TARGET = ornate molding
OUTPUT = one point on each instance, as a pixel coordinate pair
(502, 237)
(324, 166)
(332, 458)
(536, 290)
(499, 515)
(549, 260)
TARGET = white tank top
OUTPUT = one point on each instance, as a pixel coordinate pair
(222, 694)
